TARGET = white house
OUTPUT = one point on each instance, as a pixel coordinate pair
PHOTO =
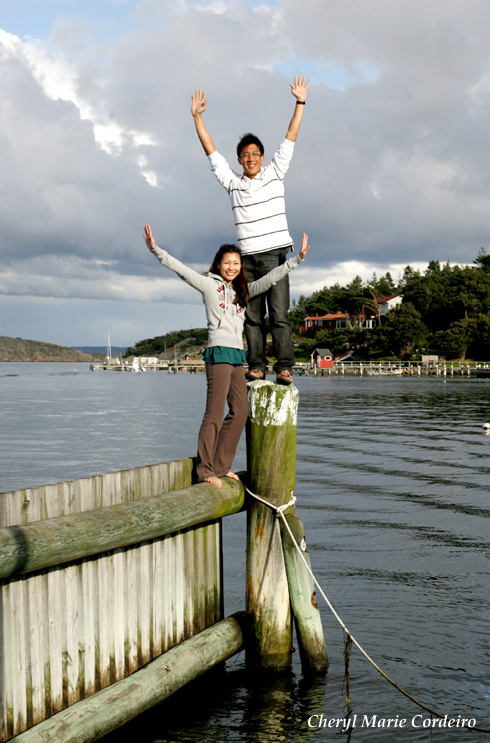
(387, 303)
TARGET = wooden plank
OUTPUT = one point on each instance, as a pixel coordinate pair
(54, 688)
(8, 663)
(131, 611)
(178, 593)
(144, 603)
(72, 633)
(19, 700)
(156, 603)
(35, 642)
(168, 595)
(103, 621)
(120, 603)
(87, 605)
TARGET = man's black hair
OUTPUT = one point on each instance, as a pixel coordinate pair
(247, 139)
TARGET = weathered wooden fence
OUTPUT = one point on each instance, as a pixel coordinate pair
(100, 576)
(113, 584)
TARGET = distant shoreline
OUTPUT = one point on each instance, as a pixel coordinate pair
(50, 361)
(18, 349)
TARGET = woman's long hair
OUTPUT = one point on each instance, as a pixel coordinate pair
(240, 284)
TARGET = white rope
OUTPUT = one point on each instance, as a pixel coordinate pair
(279, 509)
(280, 512)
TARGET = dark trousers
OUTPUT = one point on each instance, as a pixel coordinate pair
(276, 302)
(219, 436)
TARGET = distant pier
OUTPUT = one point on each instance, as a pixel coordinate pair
(479, 370)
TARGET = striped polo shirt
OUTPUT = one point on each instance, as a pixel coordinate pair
(258, 205)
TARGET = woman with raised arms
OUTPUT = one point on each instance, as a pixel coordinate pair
(225, 293)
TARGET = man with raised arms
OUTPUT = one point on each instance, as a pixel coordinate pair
(259, 210)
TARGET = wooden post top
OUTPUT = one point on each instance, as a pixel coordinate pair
(272, 404)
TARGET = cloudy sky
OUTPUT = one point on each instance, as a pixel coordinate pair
(392, 165)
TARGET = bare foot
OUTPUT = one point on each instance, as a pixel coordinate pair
(232, 474)
(214, 481)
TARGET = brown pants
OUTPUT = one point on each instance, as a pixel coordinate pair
(219, 436)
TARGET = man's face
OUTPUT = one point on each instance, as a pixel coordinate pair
(251, 159)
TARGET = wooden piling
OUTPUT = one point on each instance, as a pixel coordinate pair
(309, 630)
(271, 449)
(276, 574)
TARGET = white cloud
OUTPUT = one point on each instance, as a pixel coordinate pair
(308, 280)
(59, 79)
(392, 164)
(61, 277)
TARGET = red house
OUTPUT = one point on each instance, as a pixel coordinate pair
(338, 321)
(332, 321)
(322, 358)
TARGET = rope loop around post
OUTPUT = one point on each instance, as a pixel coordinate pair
(277, 509)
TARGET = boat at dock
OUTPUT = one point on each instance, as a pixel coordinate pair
(483, 373)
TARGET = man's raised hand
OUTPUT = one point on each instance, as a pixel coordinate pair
(198, 102)
(300, 88)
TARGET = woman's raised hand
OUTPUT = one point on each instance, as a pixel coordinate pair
(148, 237)
(304, 246)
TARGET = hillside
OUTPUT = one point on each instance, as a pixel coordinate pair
(18, 349)
(190, 341)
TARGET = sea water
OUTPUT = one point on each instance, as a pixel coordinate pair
(393, 485)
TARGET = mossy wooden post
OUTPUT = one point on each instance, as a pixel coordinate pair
(272, 469)
(309, 630)
(271, 444)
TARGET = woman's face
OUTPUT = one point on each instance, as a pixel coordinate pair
(230, 266)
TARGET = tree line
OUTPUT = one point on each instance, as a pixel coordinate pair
(445, 310)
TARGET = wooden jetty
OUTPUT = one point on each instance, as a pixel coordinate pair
(396, 368)
(111, 594)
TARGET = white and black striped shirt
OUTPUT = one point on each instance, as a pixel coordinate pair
(258, 204)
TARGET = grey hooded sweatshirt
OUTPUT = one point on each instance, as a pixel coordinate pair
(225, 319)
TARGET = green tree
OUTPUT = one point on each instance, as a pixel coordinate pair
(454, 341)
(480, 346)
(482, 259)
(444, 294)
(297, 314)
(403, 331)
(384, 286)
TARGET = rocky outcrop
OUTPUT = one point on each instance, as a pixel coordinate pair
(18, 349)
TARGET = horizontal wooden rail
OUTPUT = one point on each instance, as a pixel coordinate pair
(91, 718)
(42, 544)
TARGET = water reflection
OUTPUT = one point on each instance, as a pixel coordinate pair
(234, 706)
(278, 707)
